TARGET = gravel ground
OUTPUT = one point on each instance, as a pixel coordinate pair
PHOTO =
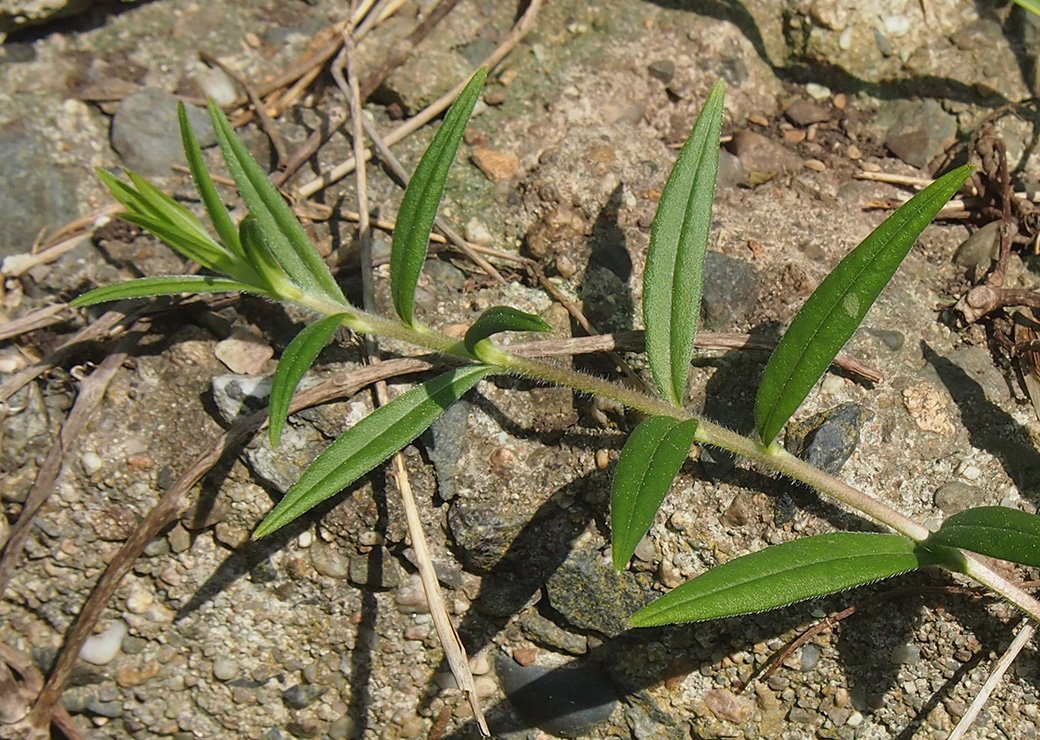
(323, 631)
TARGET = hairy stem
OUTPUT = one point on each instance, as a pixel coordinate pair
(708, 433)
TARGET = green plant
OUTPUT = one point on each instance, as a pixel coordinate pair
(269, 254)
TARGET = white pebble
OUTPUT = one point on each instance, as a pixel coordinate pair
(855, 719)
(817, 92)
(102, 649)
(11, 363)
(478, 233)
(224, 669)
(845, 40)
(832, 384)
(91, 462)
(970, 472)
(306, 538)
(897, 25)
(216, 84)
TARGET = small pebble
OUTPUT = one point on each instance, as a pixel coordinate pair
(225, 669)
(905, 654)
(496, 164)
(101, 649)
(817, 91)
(330, 562)
(477, 232)
(91, 462)
(971, 472)
(479, 664)
(853, 152)
(815, 165)
(602, 459)
(810, 656)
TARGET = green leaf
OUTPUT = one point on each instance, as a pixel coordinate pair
(259, 258)
(995, 531)
(1033, 6)
(498, 319)
(218, 214)
(296, 360)
(167, 220)
(674, 274)
(370, 442)
(423, 197)
(785, 574)
(281, 231)
(838, 305)
(649, 462)
(165, 285)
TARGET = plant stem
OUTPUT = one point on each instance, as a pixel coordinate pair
(708, 433)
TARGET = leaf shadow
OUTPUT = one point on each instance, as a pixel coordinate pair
(989, 427)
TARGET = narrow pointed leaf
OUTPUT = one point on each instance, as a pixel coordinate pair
(785, 574)
(166, 285)
(995, 531)
(259, 258)
(282, 232)
(1033, 6)
(674, 275)
(649, 462)
(837, 307)
(296, 360)
(191, 240)
(370, 442)
(218, 214)
(423, 197)
(498, 319)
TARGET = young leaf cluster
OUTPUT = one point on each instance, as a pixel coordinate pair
(269, 253)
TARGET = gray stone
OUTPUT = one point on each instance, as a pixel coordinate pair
(445, 442)
(377, 569)
(589, 594)
(239, 395)
(146, 134)
(662, 69)
(981, 248)
(828, 439)
(329, 561)
(547, 633)
(917, 131)
(301, 696)
(905, 654)
(731, 171)
(34, 190)
(762, 157)
(730, 291)
(482, 535)
(568, 701)
(110, 709)
(956, 496)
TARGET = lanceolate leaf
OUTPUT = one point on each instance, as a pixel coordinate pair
(282, 233)
(154, 213)
(838, 305)
(777, 576)
(218, 214)
(296, 360)
(498, 319)
(649, 462)
(259, 258)
(674, 272)
(166, 285)
(423, 197)
(996, 531)
(1033, 6)
(370, 442)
